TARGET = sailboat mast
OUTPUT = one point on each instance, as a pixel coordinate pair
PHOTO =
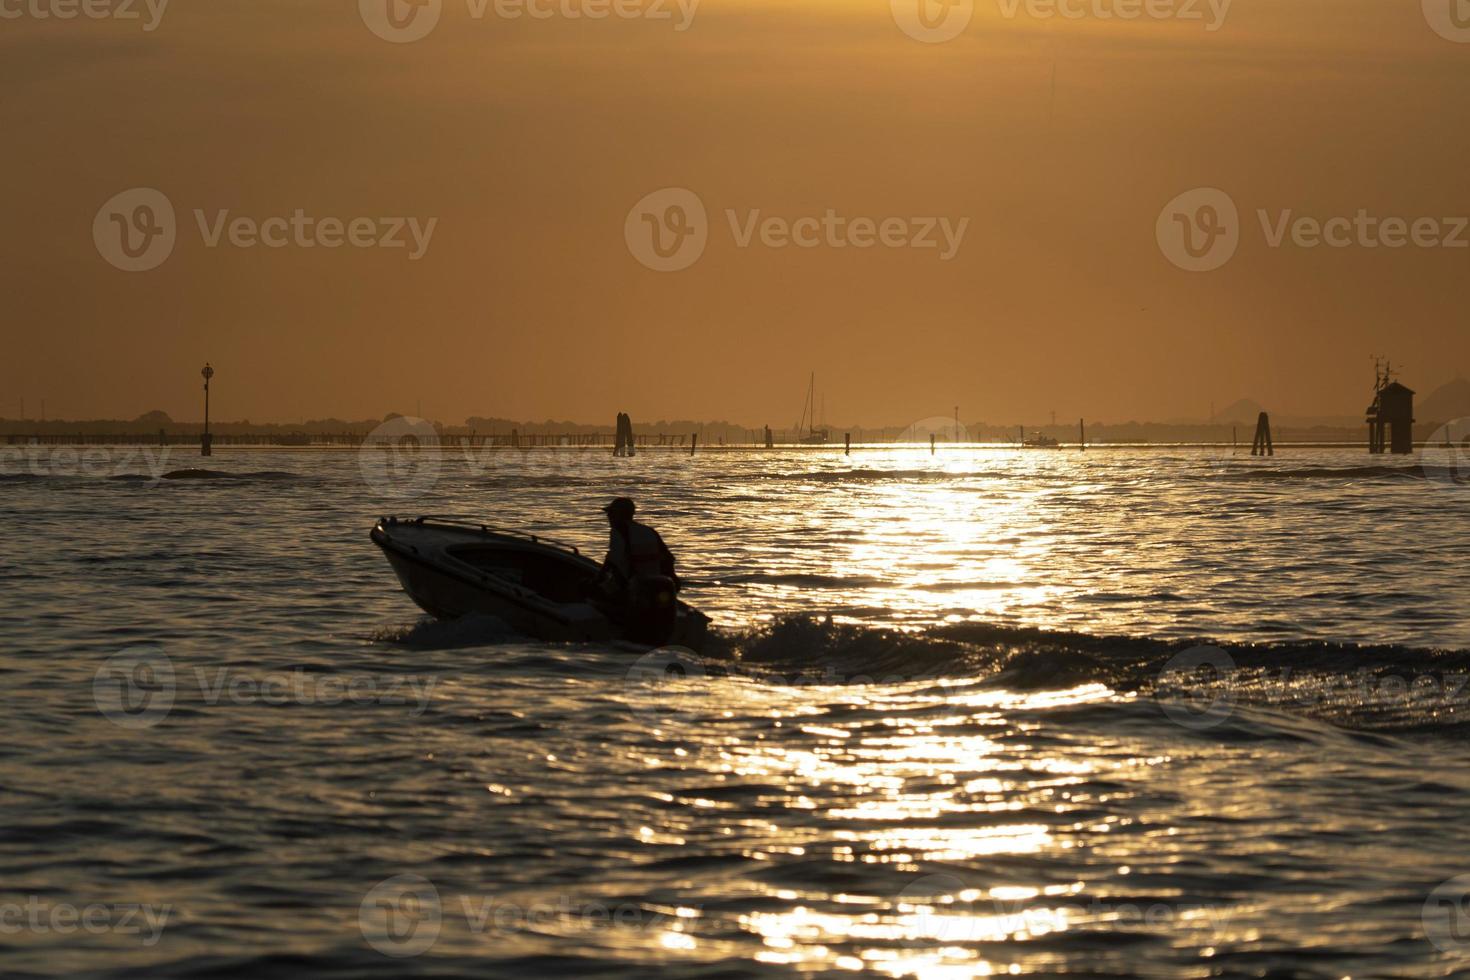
(811, 403)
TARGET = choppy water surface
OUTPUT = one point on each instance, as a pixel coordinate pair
(945, 729)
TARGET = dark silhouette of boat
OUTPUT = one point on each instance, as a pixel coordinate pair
(537, 586)
(1038, 441)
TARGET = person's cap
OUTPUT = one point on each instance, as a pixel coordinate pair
(621, 507)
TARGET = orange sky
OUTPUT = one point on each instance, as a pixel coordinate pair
(527, 141)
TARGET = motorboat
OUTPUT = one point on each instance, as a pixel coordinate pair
(537, 586)
(1039, 441)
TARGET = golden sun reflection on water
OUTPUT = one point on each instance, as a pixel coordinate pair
(919, 776)
(914, 533)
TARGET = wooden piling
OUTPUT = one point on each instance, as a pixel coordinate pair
(693, 441)
(847, 444)
(1262, 444)
(1082, 434)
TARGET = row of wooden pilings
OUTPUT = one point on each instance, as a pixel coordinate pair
(624, 441)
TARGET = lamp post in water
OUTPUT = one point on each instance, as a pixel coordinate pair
(205, 447)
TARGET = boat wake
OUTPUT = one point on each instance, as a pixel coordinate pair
(1372, 688)
(1366, 688)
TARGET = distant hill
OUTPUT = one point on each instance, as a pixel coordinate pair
(1451, 401)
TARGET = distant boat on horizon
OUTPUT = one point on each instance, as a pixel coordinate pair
(814, 436)
(1038, 441)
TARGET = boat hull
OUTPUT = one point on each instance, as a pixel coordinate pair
(536, 587)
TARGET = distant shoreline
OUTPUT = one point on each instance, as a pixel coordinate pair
(226, 443)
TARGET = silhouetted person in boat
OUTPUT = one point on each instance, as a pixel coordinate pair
(638, 575)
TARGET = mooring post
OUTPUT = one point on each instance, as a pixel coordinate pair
(847, 444)
(1082, 434)
(931, 445)
(693, 441)
(206, 441)
(1262, 445)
